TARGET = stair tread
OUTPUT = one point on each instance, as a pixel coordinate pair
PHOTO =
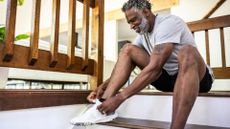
(209, 94)
(151, 124)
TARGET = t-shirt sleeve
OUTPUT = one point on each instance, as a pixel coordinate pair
(169, 31)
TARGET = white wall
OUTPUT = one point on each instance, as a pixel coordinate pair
(3, 76)
(108, 67)
(48, 76)
(2, 12)
(227, 45)
(191, 10)
(110, 40)
(223, 10)
(213, 111)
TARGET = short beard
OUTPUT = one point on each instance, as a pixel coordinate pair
(144, 26)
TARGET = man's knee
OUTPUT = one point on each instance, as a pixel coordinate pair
(126, 49)
(187, 57)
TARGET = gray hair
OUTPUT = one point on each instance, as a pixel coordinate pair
(138, 4)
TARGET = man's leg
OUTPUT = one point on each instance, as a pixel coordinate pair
(129, 57)
(191, 71)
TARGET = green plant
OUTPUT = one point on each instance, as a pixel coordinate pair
(2, 33)
(2, 28)
(19, 2)
(21, 36)
(18, 37)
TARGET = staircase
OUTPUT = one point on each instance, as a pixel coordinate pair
(152, 124)
(153, 111)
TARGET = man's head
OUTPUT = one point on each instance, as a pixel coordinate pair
(138, 15)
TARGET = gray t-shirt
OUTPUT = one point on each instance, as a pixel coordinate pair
(167, 29)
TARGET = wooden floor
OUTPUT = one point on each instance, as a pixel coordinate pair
(150, 124)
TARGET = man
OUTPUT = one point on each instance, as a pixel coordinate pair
(166, 53)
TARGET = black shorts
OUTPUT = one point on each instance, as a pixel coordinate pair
(166, 82)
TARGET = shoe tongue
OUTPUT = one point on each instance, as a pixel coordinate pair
(98, 102)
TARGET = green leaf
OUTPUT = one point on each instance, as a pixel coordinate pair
(18, 37)
(2, 30)
(21, 36)
(2, 34)
(20, 2)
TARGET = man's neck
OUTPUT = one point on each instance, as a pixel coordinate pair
(152, 20)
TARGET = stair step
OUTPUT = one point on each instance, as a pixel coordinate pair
(151, 124)
(209, 94)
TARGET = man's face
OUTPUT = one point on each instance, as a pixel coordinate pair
(137, 21)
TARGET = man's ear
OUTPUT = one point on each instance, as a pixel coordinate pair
(146, 12)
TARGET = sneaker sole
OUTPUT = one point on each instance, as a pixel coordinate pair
(110, 118)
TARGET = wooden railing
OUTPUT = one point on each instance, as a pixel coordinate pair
(16, 56)
(206, 25)
(12, 55)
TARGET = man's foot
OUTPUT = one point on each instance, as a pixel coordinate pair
(93, 116)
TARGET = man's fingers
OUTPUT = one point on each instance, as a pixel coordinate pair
(91, 96)
(101, 109)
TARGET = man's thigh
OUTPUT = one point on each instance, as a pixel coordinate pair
(166, 82)
(138, 55)
(206, 82)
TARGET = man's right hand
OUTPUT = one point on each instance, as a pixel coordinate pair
(92, 96)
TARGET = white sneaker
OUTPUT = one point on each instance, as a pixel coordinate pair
(93, 116)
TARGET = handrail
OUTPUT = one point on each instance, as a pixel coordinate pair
(205, 25)
(211, 23)
(16, 56)
(34, 58)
